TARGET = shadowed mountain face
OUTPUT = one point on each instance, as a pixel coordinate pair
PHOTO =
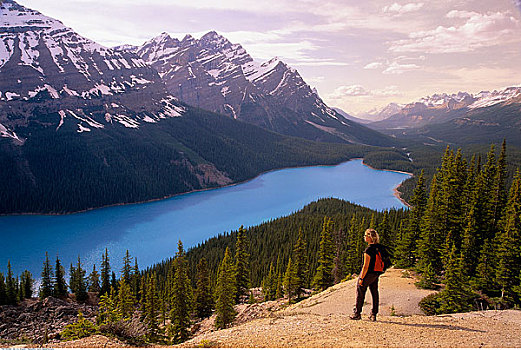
(214, 74)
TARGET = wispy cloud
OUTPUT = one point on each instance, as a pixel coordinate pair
(397, 68)
(373, 65)
(397, 9)
(478, 30)
(344, 91)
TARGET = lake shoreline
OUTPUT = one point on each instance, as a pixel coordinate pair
(396, 192)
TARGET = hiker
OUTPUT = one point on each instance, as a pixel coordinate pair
(369, 275)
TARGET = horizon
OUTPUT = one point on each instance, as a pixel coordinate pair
(359, 56)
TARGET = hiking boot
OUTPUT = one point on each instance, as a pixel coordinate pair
(372, 318)
(355, 317)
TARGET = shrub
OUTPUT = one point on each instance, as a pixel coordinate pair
(430, 304)
(80, 329)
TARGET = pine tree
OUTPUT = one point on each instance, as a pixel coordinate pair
(26, 285)
(499, 193)
(432, 234)
(406, 254)
(126, 271)
(10, 283)
(181, 298)
(384, 230)
(291, 282)
(108, 311)
(241, 265)
(3, 291)
(46, 287)
(60, 286)
(126, 300)
(509, 242)
(280, 284)
(135, 280)
(269, 286)
(224, 293)
(114, 281)
(151, 307)
(300, 262)
(94, 281)
(353, 238)
(323, 277)
(78, 284)
(456, 295)
(486, 270)
(105, 273)
(203, 295)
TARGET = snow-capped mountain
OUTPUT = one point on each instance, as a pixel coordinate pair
(214, 74)
(48, 69)
(377, 114)
(440, 108)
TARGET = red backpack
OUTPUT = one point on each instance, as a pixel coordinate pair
(378, 262)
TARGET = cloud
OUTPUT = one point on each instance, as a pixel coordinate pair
(373, 65)
(344, 91)
(397, 68)
(397, 9)
(478, 31)
(518, 4)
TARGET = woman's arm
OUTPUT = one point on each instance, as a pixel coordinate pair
(367, 259)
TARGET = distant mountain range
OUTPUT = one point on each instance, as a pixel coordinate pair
(440, 108)
(459, 118)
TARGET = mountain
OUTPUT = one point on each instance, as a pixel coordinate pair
(377, 114)
(84, 126)
(51, 75)
(214, 74)
(440, 108)
(481, 124)
(350, 117)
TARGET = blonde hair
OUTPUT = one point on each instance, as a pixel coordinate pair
(371, 232)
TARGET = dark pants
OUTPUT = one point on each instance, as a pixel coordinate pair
(371, 281)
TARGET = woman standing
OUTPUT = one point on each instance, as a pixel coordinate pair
(369, 276)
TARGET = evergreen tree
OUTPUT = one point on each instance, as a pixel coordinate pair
(406, 249)
(456, 295)
(60, 286)
(151, 307)
(126, 300)
(94, 281)
(10, 282)
(499, 193)
(291, 282)
(78, 283)
(46, 287)
(300, 262)
(203, 295)
(323, 277)
(105, 273)
(432, 234)
(126, 271)
(384, 231)
(26, 285)
(108, 311)
(114, 281)
(280, 284)
(225, 292)
(486, 269)
(509, 242)
(181, 298)
(353, 239)
(241, 265)
(3, 291)
(135, 280)
(270, 285)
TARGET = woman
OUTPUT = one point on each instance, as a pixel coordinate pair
(368, 276)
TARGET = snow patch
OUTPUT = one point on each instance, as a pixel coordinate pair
(82, 128)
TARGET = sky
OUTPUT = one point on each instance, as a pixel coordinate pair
(359, 55)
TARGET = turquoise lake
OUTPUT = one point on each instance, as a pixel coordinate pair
(150, 231)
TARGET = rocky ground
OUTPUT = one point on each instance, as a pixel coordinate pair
(38, 321)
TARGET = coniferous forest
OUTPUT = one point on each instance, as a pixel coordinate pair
(462, 234)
